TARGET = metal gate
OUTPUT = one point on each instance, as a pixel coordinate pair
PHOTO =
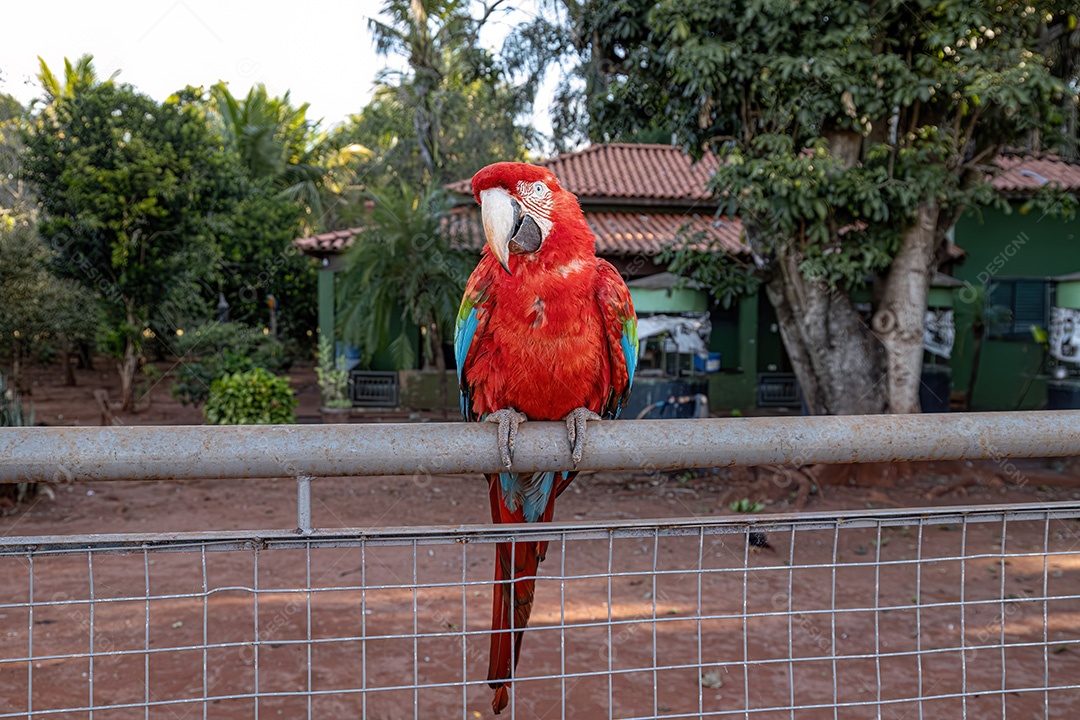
(928, 613)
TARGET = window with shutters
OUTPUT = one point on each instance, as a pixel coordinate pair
(1016, 305)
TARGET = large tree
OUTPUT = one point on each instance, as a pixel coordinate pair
(36, 308)
(132, 193)
(852, 137)
(296, 180)
(278, 143)
(451, 110)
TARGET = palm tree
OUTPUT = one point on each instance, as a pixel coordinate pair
(402, 263)
(78, 76)
(439, 40)
(277, 142)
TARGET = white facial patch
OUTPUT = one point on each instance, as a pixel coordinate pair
(537, 201)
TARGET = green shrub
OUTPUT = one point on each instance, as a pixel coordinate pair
(12, 414)
(254, 397)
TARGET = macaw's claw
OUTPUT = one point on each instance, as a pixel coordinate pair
(575, 430)
(508, 420)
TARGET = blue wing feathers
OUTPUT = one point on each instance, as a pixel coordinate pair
(463, 337)
(532, 491)
(630, 351)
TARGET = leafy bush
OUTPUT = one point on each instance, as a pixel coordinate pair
(214, 350)
(745, 506)
(11, 408)
(12, 414)
(333, 377)
(254, 397)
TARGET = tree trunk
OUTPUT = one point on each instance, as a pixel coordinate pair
(129, 365)
(85, 360)
(127, 368)
(440, 365)
(65, 363)
(901, 314)
(16, 363)
(979, 330)
(836, 358)
(426, 135)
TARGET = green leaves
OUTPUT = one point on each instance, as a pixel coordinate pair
(705, 262)
(454, 109)
(836, 121)
(254, 397)
(128, 190)
(401, 271)
(212, 350)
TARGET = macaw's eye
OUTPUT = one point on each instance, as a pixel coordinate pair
(539, 189)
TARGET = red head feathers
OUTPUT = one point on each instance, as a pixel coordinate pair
(527, 213)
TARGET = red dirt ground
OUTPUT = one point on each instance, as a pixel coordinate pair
(336, 667)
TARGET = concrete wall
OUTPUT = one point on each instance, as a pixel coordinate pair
(420, 390)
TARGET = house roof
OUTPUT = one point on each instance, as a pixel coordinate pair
(629, 172)
(664, 173)
(327, 243)
(1025, 174)
(617, 232)
(662, 176)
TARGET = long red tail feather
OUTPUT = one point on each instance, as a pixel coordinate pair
(526, 560)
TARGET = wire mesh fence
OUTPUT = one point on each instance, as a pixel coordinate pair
(943, 613)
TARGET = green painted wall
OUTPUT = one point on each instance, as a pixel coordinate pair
(1068, 294)
(735, 337)
(665, 301)
(1006, 246)
(940, 297)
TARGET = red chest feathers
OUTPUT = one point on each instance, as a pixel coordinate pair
(543, 351)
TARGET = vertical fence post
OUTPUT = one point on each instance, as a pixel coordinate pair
(303, 504)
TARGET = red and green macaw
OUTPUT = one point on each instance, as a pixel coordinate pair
(546, 331)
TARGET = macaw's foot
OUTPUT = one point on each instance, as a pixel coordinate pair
(508, 420)
(575, 430)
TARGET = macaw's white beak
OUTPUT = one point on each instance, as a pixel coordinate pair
(506, 228)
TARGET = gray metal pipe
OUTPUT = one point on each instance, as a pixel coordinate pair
(207, 452)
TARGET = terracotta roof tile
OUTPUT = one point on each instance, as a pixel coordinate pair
(1021, 174)
(663, 174)
(620, 232)
(628, 171)
(617, 233)
(629, 233)
(327, 243)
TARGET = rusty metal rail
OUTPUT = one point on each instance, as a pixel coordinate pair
(201, 452)
(967, 613)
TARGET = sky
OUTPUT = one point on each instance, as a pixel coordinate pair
(320, 50)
